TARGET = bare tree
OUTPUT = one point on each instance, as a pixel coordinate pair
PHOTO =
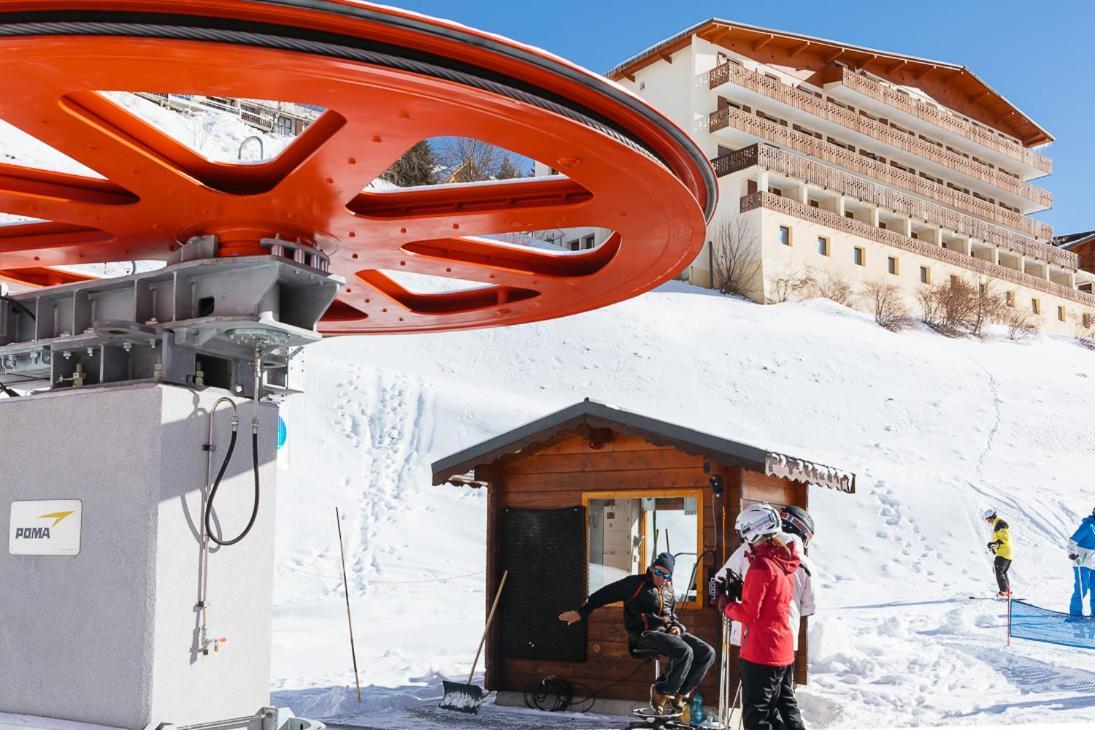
(989, 307)
(736, 258)
(469, 160)
(1021, 324)
(791, 284)
(889, 305)
(832, 286)
(950, 308)
(506, 169)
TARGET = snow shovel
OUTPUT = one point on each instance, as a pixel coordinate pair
(468, 697)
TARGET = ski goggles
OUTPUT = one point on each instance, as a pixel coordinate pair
(661, 571)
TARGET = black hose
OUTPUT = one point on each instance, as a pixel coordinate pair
(217, 483)
(555, 694)
(18, 305)
(8, 391)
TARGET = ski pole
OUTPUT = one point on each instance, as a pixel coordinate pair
(346, 590)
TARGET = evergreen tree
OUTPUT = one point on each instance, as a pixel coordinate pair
(415, 167)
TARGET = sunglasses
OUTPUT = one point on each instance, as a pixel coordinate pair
(662, 573)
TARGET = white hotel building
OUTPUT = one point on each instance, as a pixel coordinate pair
(865, 165)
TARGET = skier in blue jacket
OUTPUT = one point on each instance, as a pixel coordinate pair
(1081, 551)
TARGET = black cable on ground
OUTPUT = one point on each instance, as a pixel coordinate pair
(8, 391)
(555, 694)
(217, 483)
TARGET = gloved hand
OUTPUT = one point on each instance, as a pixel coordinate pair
(724, 601)
(1073, 556)
(992, 547)
(733, 588)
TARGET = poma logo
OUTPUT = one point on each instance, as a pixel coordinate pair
(41, 533)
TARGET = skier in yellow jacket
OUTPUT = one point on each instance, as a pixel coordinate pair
(1001, 548)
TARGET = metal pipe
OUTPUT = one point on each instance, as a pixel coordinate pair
(203, 593)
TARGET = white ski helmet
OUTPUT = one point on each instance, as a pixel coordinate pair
(756, 522)
(989, 513)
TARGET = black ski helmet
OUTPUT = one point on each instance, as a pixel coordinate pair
(798, 521)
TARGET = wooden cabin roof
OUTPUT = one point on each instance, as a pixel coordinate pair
(601, 421)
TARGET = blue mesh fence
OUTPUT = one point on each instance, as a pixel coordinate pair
(1040, 624)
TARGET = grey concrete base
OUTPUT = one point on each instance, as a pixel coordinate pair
(109, 636)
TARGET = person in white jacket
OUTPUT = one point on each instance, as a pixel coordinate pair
(798, 529)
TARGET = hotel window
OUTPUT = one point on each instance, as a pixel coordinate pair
(623, 529)
(893, 266)
(1061, 314)
(1009, 298)
(823, 245)
(1036, 306)
(778, 192)
(814, 204)
(587, 241)
(925, 275)
(572, 245)
(849, 214)
(883, 226)
(915, 235)
(1087, 321)
(785, 235)
(859, 256)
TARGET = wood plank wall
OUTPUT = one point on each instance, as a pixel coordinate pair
(557, 475)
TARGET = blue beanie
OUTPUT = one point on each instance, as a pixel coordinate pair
(665, 560)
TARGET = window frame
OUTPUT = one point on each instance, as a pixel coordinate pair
(1036, 305)
(790, 236)
(895, 263)
(701, 591)
(824, 245)
(859, 256)
(926, 275)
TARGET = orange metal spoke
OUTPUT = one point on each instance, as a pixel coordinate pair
(59, 196)
(466, 256)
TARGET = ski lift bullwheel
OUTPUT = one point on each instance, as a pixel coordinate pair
(387, 80)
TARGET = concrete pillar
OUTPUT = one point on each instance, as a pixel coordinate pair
(937, 236)
(1022, 263)
(1072, 280)
(966, 246)
(906, 227)
(762, 181)
(840, 205)
(803, 194)
(874, 217)
(994, 255)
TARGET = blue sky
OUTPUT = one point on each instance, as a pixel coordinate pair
(1037, 54)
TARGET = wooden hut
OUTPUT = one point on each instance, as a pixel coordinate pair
(591, 493)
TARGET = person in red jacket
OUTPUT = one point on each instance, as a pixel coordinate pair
(767, 645)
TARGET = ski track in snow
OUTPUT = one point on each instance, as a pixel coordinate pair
(896, 640)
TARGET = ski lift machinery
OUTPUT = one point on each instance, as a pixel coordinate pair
(124, 606)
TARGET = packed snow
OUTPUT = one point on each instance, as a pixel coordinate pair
(935, 429)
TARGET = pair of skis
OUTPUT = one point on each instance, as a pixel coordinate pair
(726, 702)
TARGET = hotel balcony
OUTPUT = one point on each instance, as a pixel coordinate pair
(833, 119)
(798, 170)
(752, 127)
(894, 103)
(1038, 277)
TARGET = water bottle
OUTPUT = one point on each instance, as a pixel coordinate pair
(697, 715)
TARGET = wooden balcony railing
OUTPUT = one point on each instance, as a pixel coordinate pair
(943, 118)
(804, 143)
(830, 178)
(794, 97)
(829, 219)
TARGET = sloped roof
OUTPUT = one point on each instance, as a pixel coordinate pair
(599, 416)
(1072, 240)
(997, 110)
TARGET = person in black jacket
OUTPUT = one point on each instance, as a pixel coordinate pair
(652, 625)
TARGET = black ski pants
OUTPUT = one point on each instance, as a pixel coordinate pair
(768, 697)
(689, 659)
(1001, 565)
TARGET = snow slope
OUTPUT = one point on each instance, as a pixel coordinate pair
(935, 429)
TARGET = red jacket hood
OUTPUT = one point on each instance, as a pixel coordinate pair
(786, 561)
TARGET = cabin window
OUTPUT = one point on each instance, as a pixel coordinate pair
(626, 530)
